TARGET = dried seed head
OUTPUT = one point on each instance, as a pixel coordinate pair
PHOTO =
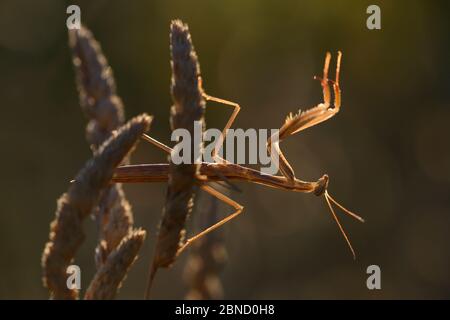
(110, 276)
(66, 234)
(105, 111)
(96, 87)
(188, 107)
(187, 93)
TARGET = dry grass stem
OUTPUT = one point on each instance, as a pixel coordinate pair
(105, 112)
(66, 233)
(189, 106)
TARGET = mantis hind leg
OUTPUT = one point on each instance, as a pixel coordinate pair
(206, 188)
(223, 198)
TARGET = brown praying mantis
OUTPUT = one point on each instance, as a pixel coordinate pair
(221, 169)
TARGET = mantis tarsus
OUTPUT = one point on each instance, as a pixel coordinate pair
(222, 169)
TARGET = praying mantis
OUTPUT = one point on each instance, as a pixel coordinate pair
(221, 169)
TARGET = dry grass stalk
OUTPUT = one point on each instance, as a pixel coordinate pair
(207, 257)
(110, 276)
(189, 106)
(105, 111)
(66, 233)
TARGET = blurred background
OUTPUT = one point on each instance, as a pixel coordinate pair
(386, 152)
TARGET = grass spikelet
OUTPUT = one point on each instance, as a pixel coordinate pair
(66, 233)
(188, 106)
(110, 276)
(105, 112)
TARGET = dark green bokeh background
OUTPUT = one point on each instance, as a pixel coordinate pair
(387, 152)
